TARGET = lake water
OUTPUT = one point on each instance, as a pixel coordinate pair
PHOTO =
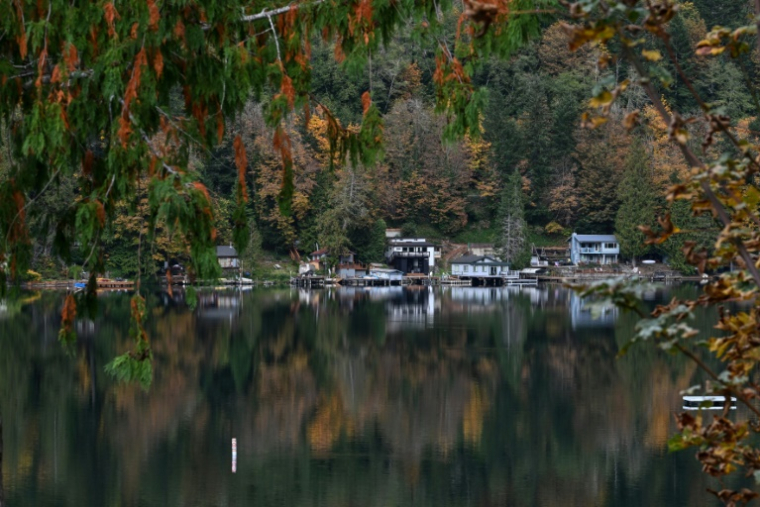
(382, 397)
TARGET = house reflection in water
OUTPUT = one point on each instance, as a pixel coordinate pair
(588, 313)
(220, 305)
(480, 298)
(411, 308)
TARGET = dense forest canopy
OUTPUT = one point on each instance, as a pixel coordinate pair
(132, 99)
(307, 133)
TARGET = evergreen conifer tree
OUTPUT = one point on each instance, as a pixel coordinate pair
(513, 229)
(638, 203)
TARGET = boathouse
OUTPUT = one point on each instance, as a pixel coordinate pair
(412, 255)
(594, 249)
(228, 258)
(394, 275)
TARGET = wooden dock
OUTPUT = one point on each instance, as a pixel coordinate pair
(310, 281)
(359, 281)
(452, 281)
(107, 283)
(103, 283)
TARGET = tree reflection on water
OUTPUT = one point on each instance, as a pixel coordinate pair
(395, 396)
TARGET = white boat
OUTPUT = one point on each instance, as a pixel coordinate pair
(707, 402)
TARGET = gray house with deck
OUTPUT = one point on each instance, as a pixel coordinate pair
(594, 249)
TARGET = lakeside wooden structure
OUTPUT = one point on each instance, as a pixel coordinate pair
(103, 283)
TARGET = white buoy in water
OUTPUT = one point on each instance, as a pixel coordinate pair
(234, 455)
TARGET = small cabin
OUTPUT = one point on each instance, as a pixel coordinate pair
(350, 270)
(347, 266)
(228, 258)
(479, 266)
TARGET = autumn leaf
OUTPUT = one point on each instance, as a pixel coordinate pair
(604, 98)
(652, 55)
(110, 15)
(154, 15)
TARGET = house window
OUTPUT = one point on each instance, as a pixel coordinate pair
(611, 245)
(467, 269)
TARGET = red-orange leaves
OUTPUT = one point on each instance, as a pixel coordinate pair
(158, 63)
(131, 93)
(361, 21)
(87, 162)
(483, 13)
(21, 37)
(56, 76)
(241, 161)
(68, 315)
(200, 112)
(22, 49)
(200, 187)
(366, 102)
(286, 87)
(41, 67)
(448, 69)
(154, 15)
(110, 14)
(219, 128)
(100, 212)
(137, 307)
(71, 57)
(18, 230)
(179, 30)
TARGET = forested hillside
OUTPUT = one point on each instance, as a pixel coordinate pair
(572, 177)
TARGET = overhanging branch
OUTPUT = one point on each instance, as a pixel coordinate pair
(276, 12)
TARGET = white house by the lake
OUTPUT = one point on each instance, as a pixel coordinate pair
(594, 249)
(412, 255)
(479, 266)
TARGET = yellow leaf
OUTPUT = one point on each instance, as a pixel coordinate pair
(603, 99)
(599, 120)
(652, 55)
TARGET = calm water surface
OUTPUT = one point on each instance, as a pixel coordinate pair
(392, 397)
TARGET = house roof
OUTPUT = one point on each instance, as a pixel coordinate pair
(226, 251)
(412, 243)
(351, 266)
(474, 259)
(594, 238)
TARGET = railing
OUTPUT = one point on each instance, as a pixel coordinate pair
(600, 250)
(409, 254)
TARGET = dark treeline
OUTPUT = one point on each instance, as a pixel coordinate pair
(571, 177)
